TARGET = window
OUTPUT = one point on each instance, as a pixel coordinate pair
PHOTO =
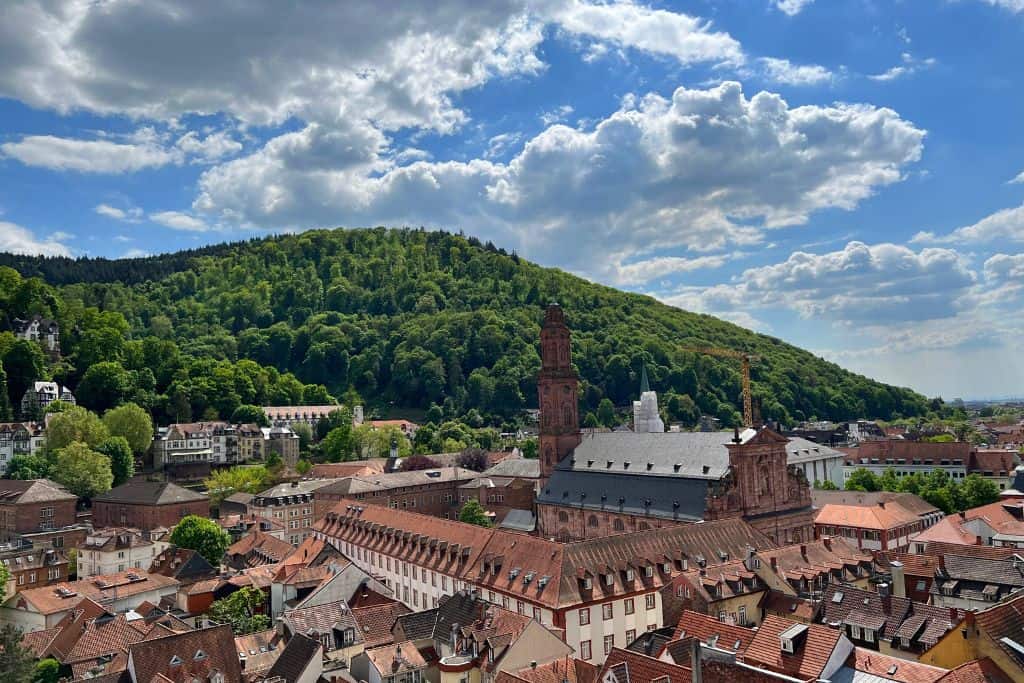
(630, 635)
(536, 613)
(32, 577)
(722, 616)
(629, 606)
(649, 601)
(54, 573)
(742, 614)
(855, 632)
(606, 611)
(444, 583)
(519, 607)
(869, 635)
(584, 616)
(921, 585)
(609, 643)
(585, 650)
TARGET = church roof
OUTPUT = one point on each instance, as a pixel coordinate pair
(698, 455)
(669, 497)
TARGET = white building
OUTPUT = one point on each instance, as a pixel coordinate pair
(39, 329)
(116, 549)
(42, 394)
(818, 462)
(645, 411)
(19, 438)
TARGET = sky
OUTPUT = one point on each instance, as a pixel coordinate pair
(846, 175)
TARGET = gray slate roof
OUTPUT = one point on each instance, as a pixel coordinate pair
(669, 497)
(296, 657)
(525, 468)
(801, 450)
(675, 454)
(141, 492)
(519, 520)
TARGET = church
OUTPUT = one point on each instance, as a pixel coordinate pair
(599, 484)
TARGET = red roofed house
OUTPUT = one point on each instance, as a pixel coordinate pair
(808, 652)
(886, 526)
(996, 633)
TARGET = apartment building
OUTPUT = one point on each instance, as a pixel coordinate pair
(41, 394)
(116, 549)
(31, 566)
(883, 526)
(291, 504)
(19, 438)
(603, 592)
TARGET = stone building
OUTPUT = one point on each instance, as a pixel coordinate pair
(146, 505)
(607, 483)
(38, 510)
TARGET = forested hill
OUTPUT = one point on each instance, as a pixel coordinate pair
(406, 318)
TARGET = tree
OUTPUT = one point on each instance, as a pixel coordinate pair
(202, 535)
(72, 564)
(472, 459)
(977, 491)
(305, 434)
(337, 445)
(75, 424)
(46, 671)
(827, 485)
(889, 481)
(6, 412)
(530, 449)
(223, 483)
(16, 661)
(24, 363)
(590, 421)
(104, 385)
(122, 462)
(248, 413)
(473, 513)
(5, 576)
(131, 422)
(242, 610)
(862, 479)
(28, 466)
(303, 466)
(83, 471)
(417, 462)
(606, 412)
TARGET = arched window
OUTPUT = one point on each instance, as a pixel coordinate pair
(566, 415)
(592, 521)
(618, 525)
(563, 516)
(644, 526)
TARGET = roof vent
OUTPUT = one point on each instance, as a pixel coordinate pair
(513, 573)
(543, 581)
(528, 577)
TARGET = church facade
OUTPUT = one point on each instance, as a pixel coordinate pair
(600, 484)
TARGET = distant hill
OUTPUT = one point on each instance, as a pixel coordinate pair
(411, 318)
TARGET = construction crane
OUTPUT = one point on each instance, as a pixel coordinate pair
(746, 359)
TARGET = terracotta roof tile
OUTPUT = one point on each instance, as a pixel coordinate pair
(807, 662)
(643, 669)
(977, 671)
(259, 650)
(706, 628)
(375, 622)
(182, 656)
(892, 668)
(62, 596)
(260, 546)
(883, 516)
(557, 671)
(391, 660)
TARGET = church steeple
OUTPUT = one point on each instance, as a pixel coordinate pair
(645, 386)
(557, 387)
(646, 417)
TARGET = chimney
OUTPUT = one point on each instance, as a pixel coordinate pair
(736, 435)
(883, 590)
(954, 615)
(827, 542)
(394, 448)
(774, 563)
(803, 551)
(696, 673)
(899, 582)
(533, 663)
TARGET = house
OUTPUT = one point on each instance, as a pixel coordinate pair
(517, 468)
(624, 666)
(39, 329)
(710, 631)
(804, 570)
(432, 491)
(236, 504)
(257, 652)
(407, 428)
(884, 622)
(995, 633)
(352, 468)
(145, 505)
(206, 654)
(907, 457)
(925, 511)
(807, 652)
(884, 526)
(41, 608)
(499, 496)
(398, 663)
(290, 503)
(563, 670)
(191, 448)
(286, 416)
(239, 525)
(32, 566)
(870, 665)
(730, 591)
(330, 624)
(378, 621)
(19, 438)
(995, 465)
(256, 548)
(182, 564)
(300, 662)
(975, 583)
(41, 394)
(115, 549)
(39, 510)
(912, 576)
(608, 586)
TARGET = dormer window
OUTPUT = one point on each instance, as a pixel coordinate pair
(629, 575)
(648, 571)
(609, 579)
(199, 656)
(587, 583)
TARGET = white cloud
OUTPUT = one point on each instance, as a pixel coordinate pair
(784, 71)
(209, 149)
(705, 170)
(87, 156)
(135, 253)
(1005, 224)
(792, 7)
(499, 145)
(629, 25)
(909, 65)
(560, 114)
(130, 215)
(1001, 267)
(179, 221)
(1019, 178)
(60, 236)
(1012, 5)
(866, 285)
(19, 240)
(661, 266)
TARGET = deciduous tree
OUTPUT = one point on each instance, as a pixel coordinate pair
(243, 610)
(75, 424)
(473, 513)
(202, 535)
(122, 462)
(83, 471)
(131, 422)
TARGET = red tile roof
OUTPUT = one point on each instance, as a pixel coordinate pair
(879, 517)
(558, 671)
(808, 662)
(643, 669)
(375, 622)
(892, 668)
(62, 596)
(183, 656)
(262, 548)
(977, 671)
(705, 628)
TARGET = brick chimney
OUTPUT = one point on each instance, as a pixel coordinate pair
(827, 542)
(774, 562)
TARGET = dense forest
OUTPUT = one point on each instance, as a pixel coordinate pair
(399, 319)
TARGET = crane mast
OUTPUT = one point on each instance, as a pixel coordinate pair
(745, 360)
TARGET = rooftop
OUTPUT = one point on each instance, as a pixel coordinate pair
(66, 594)
(144, 492)
(15, 491)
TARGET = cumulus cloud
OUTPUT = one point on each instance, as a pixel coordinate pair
(500, 144)
(1019, 178)
(861, 284)
(1002, 267)
(705, 170)
(792, 7)
(1005, 224)
(211, 148)
(87, 156)
(628, 25)
(130, 215)
(179, 221)
(785, 72)
(19, 240)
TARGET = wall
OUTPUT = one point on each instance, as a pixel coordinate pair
(535, 644)
(145, 517)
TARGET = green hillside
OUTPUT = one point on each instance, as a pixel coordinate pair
(407, 319)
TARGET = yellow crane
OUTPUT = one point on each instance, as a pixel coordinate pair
(746, 359)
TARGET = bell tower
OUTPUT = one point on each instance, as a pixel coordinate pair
(556, 388)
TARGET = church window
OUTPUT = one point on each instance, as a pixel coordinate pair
(592, 521)
(618, 525)
(563, 516)
(567, 415)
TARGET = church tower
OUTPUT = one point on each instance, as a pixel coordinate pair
(556, 388)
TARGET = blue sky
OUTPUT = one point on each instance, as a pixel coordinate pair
(846, 175)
